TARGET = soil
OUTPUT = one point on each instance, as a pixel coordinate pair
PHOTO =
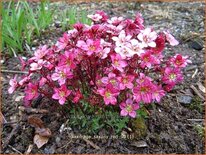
(172, 127)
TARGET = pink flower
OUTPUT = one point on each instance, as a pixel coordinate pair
(62, 74)
(40, 53)
(172, 76)
(170, 39)
(95, 17)
(115, 20)
(103, 14)
(147, 37)
(158, 93)
(147, 60)
(136, 47)
(90, 46)
(61, 94)
(111, 79)
(143, 90)
(42, 81)
(118, 63)
(109, 94)
(67, 60)
(37, 65)
(13, 85)
(122, 39)
(63, 42)
(179, 61)
(129, 108)
(24, 80)
(126, 81)
(31, 91)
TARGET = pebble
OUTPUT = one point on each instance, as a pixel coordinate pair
(196, 45)
(49, 149)
(184, 99)
(140, 144)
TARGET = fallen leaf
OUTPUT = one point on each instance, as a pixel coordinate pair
(35, 121)
(40, 140)
(201, 87)
(46, 132)
(18, 98)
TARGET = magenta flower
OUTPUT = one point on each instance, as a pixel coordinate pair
(61, 75)
(172, 76)
(90, 46)
(147, 37)
(61, 94)
(126, 81)
(13, 85)
(118, 63)
(31, 91)
(157, 93)
(129, 108)
(147, 60)
(139, 21)
(179, 61)
(77, 97)
(109, 94)
(170, 39)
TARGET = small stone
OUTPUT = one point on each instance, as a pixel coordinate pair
(140, 144)
(57, 139)
(196, 45)
(184, 99)
(57, 24)
(49, 149)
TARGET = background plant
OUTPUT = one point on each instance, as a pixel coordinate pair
(22, 23)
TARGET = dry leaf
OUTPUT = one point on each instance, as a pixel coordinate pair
(40, 140)
(36, 122)
(201, 87)
(46, 132)
(29, 149)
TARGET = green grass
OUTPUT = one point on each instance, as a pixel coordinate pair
(21, 23)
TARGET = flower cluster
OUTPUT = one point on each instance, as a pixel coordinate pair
(116, 62)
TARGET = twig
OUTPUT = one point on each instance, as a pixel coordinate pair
(13, 132)
(8, 123)
(195, 73)
(15, 149)
(32, 110)
(196, 120)
(197, 92)
(91, 143)
(12, 71)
